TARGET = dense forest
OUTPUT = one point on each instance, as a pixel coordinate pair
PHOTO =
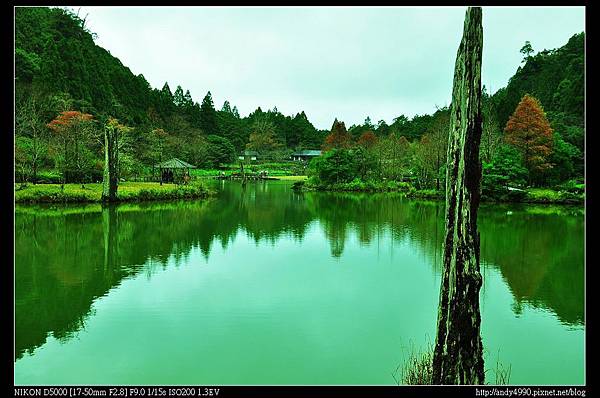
(59, 69)
(533, 135)
(68, 89)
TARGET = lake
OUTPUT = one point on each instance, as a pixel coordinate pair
(262, 285)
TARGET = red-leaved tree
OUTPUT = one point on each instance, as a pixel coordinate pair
(72, 133)
(339, 138)
(368, 139)
(529, 131)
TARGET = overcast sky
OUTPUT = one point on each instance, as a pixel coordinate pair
(344, 62)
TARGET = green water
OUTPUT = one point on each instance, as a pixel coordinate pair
(265, 286)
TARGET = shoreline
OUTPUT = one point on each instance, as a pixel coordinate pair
(531, 197)
(92, 193)
(152, 191)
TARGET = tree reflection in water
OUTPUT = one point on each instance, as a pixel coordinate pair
(68, 256)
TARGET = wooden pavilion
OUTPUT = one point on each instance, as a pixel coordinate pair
(173, 170)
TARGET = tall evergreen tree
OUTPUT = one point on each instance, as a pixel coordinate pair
(178, 98)
(530, 133)
(208, 116)
(339, 138)
(232, 127)
(188, 102)
(166, 92)
(165, 102)
(226, 107)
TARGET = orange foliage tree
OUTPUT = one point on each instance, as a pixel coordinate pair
(72, 134)
(529, 131)
(339, 138)
(368, 139)
(67, 119)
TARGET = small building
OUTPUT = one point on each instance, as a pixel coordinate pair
(306, 155)
(249, 155)
(173, 170)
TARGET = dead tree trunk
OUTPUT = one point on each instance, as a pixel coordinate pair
(110, 178)
(115, 171)
(458, 354)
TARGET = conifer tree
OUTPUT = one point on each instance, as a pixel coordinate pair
(178, 99)
(208, 116)
(529, 131)
(338, 138)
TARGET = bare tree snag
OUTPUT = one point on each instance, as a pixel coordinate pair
(110, 177)
(458, 354)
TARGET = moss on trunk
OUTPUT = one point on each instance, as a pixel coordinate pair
(110, 177)
(458, 354)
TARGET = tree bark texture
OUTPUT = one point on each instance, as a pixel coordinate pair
(110, 177)
(458, 354)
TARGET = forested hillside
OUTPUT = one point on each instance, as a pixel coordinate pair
(557, 79)
(60, 69)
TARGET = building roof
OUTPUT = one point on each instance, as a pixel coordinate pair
(250, 153)
(175, 164)
(307, 152)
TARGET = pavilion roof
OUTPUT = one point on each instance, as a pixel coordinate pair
(175, 164)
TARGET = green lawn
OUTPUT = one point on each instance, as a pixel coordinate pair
(547, 195)
(128, 191)
(275, 169)
(293, 178)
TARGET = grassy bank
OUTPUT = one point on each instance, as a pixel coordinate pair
(372, 187)
(274, 169)
(292, 178)
(281, 178)
(128, 192)
(530, 195)
(546, 195)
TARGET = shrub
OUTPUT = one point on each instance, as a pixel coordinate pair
(334, 166)
(93, 193)
(41, 194)
(572, 186)
(298, 185)
(503, 175)
(425, 193)
(541, 195)
(49, 177)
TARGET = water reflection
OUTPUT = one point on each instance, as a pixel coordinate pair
(540, 253)
(66, 257)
